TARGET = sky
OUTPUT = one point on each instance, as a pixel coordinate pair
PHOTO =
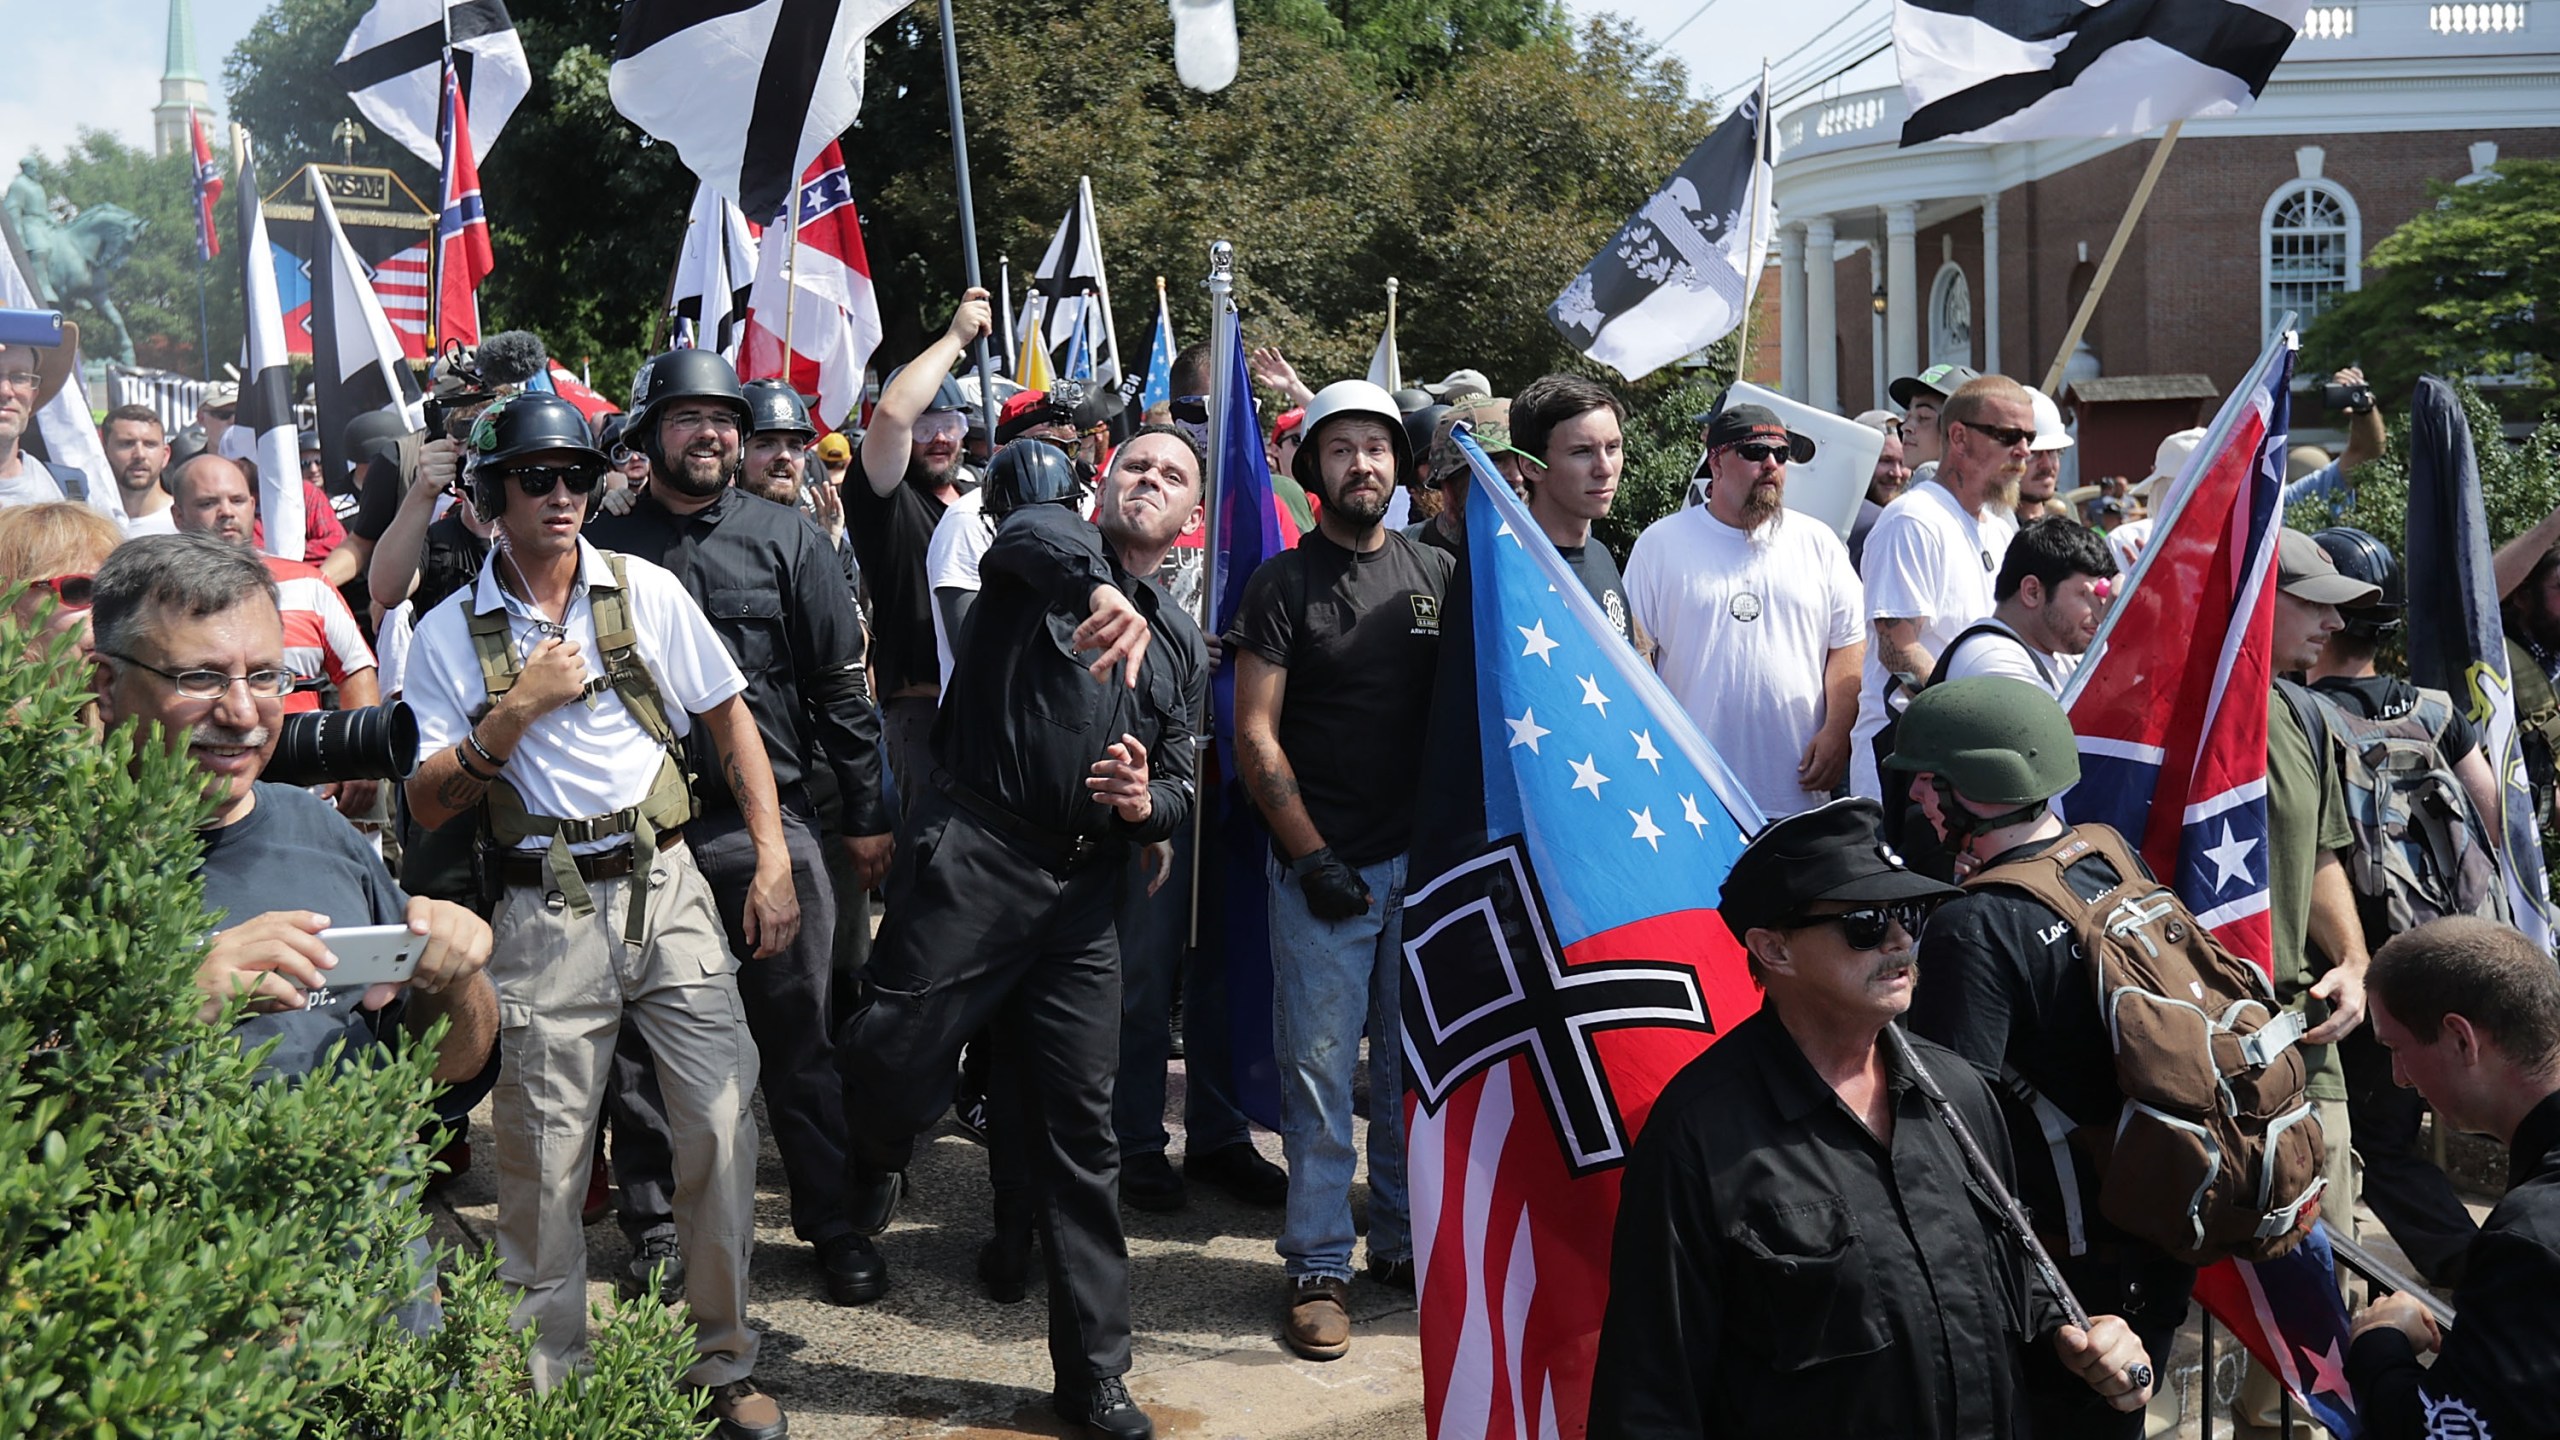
(97, 64)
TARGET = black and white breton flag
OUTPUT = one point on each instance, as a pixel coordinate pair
(393, 68)
(1989, 70)
(715, 270)
(1679, 274)
(356, 364)
(266, 384)
(1073, 297)
(748, 91)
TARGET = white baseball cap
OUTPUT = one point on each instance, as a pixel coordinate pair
(2171, 458)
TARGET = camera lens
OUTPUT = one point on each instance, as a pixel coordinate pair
(320, 747)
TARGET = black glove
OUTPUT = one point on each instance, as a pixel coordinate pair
(1334, 891)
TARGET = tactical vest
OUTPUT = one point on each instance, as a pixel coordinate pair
(670, 799)
(2537, 727)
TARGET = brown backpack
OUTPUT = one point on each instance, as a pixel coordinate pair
(2216, 1152)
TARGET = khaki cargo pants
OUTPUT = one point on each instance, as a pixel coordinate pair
(566, 983)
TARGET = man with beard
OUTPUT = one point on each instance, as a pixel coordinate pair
(910, 472)
(773, 590)
(1335, 644)
(1755, 617)
(2037, 492)
(137, 451)
(2054, 587)
(1048, 769)
(1931, 560)
(1884, 483)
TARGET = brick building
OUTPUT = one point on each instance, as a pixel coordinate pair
(1891, 259)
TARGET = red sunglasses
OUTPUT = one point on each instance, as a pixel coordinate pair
(74, 591)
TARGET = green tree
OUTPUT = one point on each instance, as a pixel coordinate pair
(2519, 482)
(2470, 285)
(156, 289)
(187, 1251)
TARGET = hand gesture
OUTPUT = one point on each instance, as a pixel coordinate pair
(1272, 370)
(1119, 780)
(973, 319)
(1114, 626)
(554, 674)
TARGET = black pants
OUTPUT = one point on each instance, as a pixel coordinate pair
(787, 1000)
(981, 930)
(2149, 1292)
(2412, 1198)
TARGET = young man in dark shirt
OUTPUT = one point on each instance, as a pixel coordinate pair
(1336, 643)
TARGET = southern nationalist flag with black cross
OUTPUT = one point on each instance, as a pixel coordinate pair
(1563, 961)
(1986, 70)
(394, 61)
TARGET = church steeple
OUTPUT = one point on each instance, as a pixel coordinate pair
(182, 86)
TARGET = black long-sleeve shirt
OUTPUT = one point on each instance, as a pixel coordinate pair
(1023, 722)
(1779, 1272)
(774, 589)
(2499, 1372)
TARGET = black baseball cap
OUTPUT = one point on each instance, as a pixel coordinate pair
(1835, 852)
(1735, 424)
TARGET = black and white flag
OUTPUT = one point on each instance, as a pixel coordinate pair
(714, 272)
(1990, 70)
(356, 364)
(1073, 298)
(748, 91)
(1679, 275)
(392, 67)
(266, 384)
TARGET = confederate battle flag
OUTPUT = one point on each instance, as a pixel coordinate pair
(208, 190)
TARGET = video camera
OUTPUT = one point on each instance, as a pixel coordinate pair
(321, 747)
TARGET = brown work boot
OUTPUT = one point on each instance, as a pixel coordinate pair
(1319, 1325)
(745, 1412)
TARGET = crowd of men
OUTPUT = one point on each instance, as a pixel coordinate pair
(697, 687)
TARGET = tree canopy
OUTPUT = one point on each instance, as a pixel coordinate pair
(156, 289)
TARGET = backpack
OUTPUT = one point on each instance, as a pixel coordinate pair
(2420, 852)
(2216, 1152)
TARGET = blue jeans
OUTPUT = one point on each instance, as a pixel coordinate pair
(1329, 978)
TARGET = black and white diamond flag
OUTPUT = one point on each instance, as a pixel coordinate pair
(748, 91)
(393, 68)
(1680, 273)
(1989, 70)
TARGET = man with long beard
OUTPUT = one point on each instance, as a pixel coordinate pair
(1336, 644)
(1755, 617)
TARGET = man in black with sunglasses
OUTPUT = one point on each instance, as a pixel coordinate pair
(776, 595)
(1801, 1247)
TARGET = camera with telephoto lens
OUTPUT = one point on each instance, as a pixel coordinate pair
(321, 747)
(2353, 399)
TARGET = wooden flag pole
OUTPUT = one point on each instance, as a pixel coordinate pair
(2107, 265)
(790, 286)
(1751, 224)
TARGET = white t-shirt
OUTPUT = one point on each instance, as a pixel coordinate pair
(1926, 560)
(32, 485)
(2008, 653)
(2127, 541)
(1744, 623)
(960, 540)
(163, 521)
(586, 758)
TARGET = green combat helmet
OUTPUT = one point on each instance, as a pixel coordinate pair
(1992, 740)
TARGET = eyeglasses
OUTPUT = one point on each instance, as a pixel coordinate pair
(21, 379)
(2006, 437)
(536, 480)
(1757, 451)
(74, 591)
(1866, 929)
(214, 684)
(705, 420)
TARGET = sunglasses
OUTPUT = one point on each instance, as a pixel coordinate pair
(1757, 451)
(224, 413)
(1866, 929)
(74, 591)
(1191, 408)
(2005, 436)
(536, 480)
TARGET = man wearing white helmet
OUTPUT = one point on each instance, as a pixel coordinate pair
(2128, 539)
(1336, 644)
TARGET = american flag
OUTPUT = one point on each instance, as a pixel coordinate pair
(462, 229)
(405, 280)
(1557, 975)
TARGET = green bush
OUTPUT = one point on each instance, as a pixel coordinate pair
(184, 1251)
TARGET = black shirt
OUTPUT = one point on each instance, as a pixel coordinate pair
(453, 559)
(2388, 697)
(1024, 722)
(774, 591)
(293, 851)
(889, 534)
(379, 486)
(1359, 635)
(1779, 1272)
(1598, 570)
(2499, 1372)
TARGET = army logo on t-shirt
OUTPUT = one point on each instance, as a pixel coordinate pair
(1746, 607)
(1426, 614)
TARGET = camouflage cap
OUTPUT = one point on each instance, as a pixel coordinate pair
(1490, 417)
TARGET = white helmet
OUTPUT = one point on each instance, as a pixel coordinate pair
(1350, 397)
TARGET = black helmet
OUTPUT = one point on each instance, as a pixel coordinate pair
(376, 432)
(773, 406)
(680, 375)
(946, 396)
(609, 431)
(2361, 556)
(1031, 472)
(1419, 427)
(518, 425)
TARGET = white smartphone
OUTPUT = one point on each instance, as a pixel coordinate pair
(372, 955)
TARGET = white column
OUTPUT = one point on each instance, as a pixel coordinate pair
(1822, 311)
(1902, 289)
(1875, 332)
(1989, 320)
(1791, 322)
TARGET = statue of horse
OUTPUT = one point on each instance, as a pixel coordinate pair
(83, 259)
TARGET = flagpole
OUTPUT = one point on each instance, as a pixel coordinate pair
(1101, 279)
(1395, 362)
(1222, 315)
(791, 287)
(1004, 298)
(1751, 229)
(968, 218)
(2115, 251)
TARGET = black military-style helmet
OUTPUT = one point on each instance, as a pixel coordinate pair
(531, 423)
(681, 375)
(2362, 556)
(946, 396)
(1031, 472)
(373, 433)
(774, 407)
